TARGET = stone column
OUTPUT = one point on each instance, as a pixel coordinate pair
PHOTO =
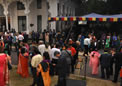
(5, 4)
(6, 15)
(27, 11)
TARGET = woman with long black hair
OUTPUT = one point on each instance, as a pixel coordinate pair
(43, 71)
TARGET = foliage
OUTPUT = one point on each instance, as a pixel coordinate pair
(101, 6)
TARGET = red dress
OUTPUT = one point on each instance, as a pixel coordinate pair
(121, 73)
(23, 66)
(3, 70)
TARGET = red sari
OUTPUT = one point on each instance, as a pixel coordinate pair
(121, 72)
(23, 65)
(3, 70)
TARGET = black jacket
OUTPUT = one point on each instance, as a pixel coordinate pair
(105, 60)
(118, 58)
(62, 67)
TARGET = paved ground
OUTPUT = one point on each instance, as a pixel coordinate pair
(14, 58)
(73, 82)
(16, 80)
(88, 69)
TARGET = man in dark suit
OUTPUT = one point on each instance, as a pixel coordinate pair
(105, 60)
(118, 63)
(62, 68)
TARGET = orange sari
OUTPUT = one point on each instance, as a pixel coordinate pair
(45, 76)
(23, 66)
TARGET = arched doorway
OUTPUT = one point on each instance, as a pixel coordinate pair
(2, 19)
(17, 16)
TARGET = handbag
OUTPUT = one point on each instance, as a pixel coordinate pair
(9, 66)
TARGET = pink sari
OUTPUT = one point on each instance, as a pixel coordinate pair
(3, 70)
(27, 46)
(94, 62)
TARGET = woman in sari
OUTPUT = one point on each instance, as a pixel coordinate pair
(23, 63)
(94, 62)
(4, 73)
(43, 71)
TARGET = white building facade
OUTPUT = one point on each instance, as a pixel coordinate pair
(32, 15)
(61, 8)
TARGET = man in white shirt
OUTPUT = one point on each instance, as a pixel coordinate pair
(41, 47)
(53, 50)
(53, 57)
(87, 43)
(20, 37)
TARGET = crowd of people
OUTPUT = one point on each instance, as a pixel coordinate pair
(52, 54)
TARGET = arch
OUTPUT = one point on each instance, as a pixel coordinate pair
(28, 3)
(1, 4)
(32, 1)
(2, 18)
(1, 10)
(9, 4)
